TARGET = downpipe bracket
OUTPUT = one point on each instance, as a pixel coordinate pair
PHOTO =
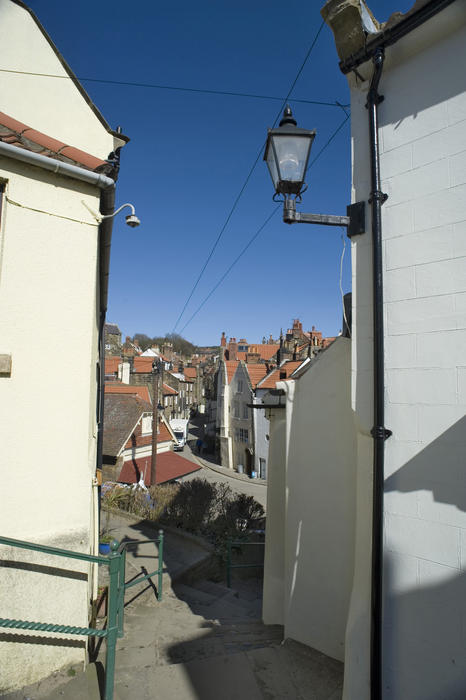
(378, 196)
(379, 432)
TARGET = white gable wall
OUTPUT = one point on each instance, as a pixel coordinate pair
(51, 105)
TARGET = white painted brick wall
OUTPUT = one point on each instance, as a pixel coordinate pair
(423, 247)
(421, 386)
(401, 352)
(421, 315)
(445, 349)
(423, 169)
(445, 142)
(432, 541)
(444, 277)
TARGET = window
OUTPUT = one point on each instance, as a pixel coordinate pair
(245, 411)
(262, 468)
(241, 435)
(239, 386)
(146, 426)
(236, 409)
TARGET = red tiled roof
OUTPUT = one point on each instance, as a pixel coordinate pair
(256, 373)
(111, 364)
(18, 134)
(265, 351)
(140, 440)
(169, 466)
(327, 341)
(274, 377)
(231, 366)
(143, 364)
(141, 391)
(168, 391)
(190, 372)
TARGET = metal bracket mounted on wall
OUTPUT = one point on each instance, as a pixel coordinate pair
(354, 221)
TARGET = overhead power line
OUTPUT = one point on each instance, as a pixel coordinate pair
(260, 229)
(245, 183)
(179, 88)
(227, 271)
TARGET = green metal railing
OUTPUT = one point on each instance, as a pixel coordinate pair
(116, 562)
(230, 566)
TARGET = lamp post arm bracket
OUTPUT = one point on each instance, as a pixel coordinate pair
(323, 219)
(354, 221)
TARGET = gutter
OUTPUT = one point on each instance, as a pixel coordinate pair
(107, 205)
(391, 34)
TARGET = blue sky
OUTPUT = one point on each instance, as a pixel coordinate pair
(190, 154)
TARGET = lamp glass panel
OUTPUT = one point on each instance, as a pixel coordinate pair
(272, 166)
(292, 153)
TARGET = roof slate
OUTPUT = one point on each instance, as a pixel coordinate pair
(256, 373)
(271, 379)
(111, 364)
(142, 391)
(231, 366)
(121, 414)
(169, 466)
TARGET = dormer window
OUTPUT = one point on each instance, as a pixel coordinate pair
(146, 424)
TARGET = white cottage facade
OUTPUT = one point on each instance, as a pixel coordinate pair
(54, 146)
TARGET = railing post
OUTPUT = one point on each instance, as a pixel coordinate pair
(229, 563)
(112, 619)
(160, 571)
(121, 592)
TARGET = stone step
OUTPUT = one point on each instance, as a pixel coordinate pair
(227, 677)
(216, 589)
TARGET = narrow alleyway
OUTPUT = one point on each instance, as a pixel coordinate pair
(202, 641)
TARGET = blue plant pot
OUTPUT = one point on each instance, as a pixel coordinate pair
(104, 548)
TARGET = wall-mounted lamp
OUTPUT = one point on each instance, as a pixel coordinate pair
(287, 154)
(132, 220)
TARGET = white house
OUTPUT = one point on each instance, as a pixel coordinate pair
(55, 165)
(225, 374)
(410, 642)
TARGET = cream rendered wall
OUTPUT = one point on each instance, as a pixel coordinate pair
(274, 561)
(40, 102)
(48, 307)
(311, 507)
(423, 156)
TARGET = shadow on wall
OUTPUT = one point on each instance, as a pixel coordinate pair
(425, 602)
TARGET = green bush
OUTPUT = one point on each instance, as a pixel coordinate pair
(198, 506)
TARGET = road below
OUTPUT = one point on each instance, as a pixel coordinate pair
(216, 474)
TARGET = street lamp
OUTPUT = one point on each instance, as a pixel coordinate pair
(287, 155)
(157, 370)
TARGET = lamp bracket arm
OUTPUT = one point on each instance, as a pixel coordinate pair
(354, 221)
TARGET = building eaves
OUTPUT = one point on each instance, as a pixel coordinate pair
(355, 41)
(17, 134)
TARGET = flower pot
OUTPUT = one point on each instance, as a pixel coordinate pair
(104, 548)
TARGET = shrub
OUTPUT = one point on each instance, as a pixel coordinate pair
(193, 505)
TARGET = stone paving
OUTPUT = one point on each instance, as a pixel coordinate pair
(203, 641)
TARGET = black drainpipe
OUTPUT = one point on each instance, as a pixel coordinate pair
(378, 432)
(107, 206)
